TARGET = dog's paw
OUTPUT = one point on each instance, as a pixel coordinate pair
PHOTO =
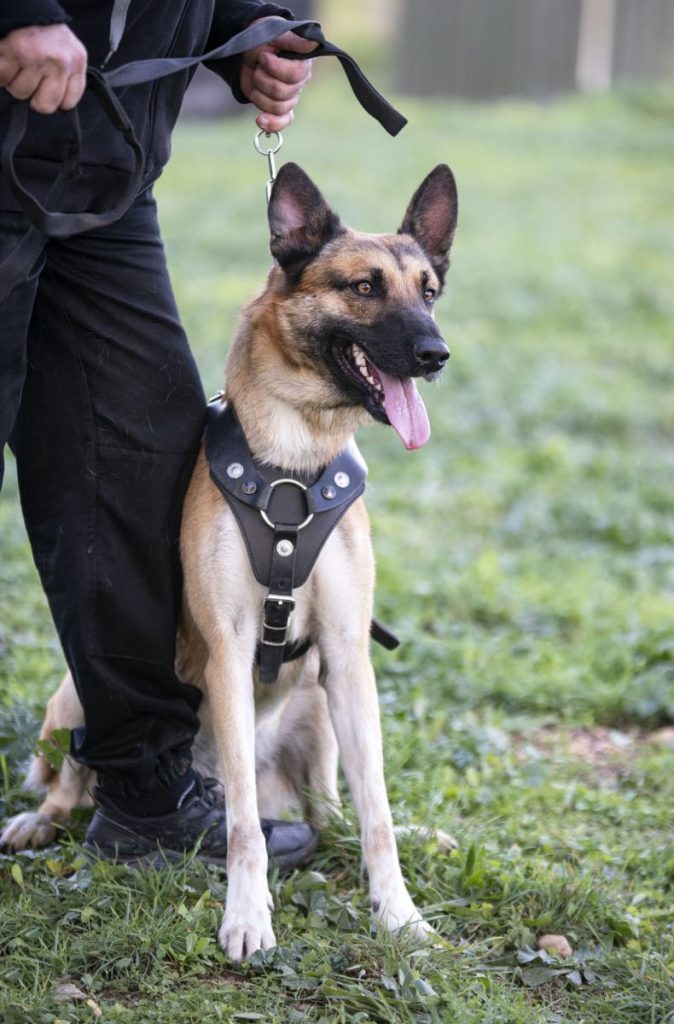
(446, 843)
(29, 829)
(246, 929)
(420, 930)
(400, 914)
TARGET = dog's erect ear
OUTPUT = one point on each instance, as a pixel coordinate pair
(431, 217)
(301, 221)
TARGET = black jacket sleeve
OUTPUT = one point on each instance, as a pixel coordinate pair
(228, 19)
(19, 13)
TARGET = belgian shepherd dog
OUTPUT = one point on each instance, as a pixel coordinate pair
(338, 338)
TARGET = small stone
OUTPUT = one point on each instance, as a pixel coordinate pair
(559, 945)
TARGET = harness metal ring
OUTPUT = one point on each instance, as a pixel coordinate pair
(295, 483)
(272, 149)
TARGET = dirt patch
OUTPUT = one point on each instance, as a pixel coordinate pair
(608, 752)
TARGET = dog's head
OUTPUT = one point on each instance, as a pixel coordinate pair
(362, 305)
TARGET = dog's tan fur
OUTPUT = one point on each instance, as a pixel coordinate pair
(275, 748)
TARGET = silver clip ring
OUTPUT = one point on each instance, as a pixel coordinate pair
(295, 483)
(271, 149)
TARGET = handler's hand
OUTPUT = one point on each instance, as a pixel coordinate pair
(274, 84)
(45, 64)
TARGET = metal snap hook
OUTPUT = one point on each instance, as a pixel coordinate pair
(269, 153)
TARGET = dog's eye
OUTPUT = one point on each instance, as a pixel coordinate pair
(363, 288)
(429, 294)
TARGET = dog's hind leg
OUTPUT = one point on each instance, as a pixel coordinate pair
(323, 791)
(310, 753)
(67, 788)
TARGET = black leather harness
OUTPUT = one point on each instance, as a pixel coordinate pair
(285, 520)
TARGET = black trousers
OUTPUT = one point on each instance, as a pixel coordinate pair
(100, 396)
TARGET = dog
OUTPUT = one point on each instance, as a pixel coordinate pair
(337, 338)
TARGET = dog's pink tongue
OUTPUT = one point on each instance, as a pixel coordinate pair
(405, 410)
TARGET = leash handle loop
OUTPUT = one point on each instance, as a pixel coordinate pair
(54, 223)
(369, 98)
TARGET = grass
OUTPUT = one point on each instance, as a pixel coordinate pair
(526, 559)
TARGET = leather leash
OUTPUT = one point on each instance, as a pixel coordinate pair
(47, 223)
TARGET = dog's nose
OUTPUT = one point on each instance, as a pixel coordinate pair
(431, 353)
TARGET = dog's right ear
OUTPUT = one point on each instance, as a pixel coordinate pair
(431, 217)
(301, 221)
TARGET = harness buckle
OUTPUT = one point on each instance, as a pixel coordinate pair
(281, 604)
(280, 599)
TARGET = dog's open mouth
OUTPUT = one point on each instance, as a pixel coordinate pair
(387, 398)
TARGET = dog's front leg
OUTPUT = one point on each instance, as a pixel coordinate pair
(354, 708)
(247, 922)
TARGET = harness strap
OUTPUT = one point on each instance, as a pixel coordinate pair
(279, 602)
(383, 636)
(298, 648)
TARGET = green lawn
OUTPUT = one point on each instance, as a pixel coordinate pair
(526, 557)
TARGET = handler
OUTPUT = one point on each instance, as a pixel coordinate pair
(101, 398)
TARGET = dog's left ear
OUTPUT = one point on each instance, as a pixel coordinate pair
(301, 221)
(431, 217)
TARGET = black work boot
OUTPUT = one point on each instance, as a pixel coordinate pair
(198, 821)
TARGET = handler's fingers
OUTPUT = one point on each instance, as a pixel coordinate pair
(287, 72)
(273, 107)
(275, 88)
(45, 64)
(9, 68)
(49, 95)
(274, 123)
(25, 83)
(294, 43)
(74, 91)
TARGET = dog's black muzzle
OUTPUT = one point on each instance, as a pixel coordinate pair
(407, 345)
(430, 354)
